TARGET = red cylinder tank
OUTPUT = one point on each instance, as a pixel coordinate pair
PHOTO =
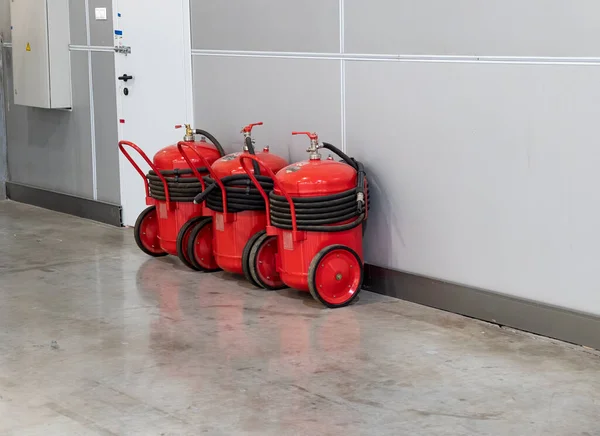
(316, 177)
(172, 210)
(230, 165)
(230, 239)
(169, 158)
(317, 212)
(171, 221)
(313, 178)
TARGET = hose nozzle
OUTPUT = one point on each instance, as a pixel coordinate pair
(360, 199)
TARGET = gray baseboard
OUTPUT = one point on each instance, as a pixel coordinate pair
(94, 210)
(545, 320)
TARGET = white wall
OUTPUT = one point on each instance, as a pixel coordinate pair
(477, 122)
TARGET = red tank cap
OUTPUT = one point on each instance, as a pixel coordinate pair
(249, 127)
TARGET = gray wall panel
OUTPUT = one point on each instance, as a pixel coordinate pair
(77, 22)
(105, 110)
(5, 20)
(482, 174)
(273, 25)
(473, 27)
(302, 95)
(101, 32)
(51, 149)
(3, 160)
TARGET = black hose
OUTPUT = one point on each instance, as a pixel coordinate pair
(358, 166)
(176, 172)
(241, 193)
(318, 214)
(325, 213)
(350, 161)
(181, 188)
(250, 147)
(212, 139)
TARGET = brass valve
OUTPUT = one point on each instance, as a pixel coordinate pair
(189, 132)
(314, 144)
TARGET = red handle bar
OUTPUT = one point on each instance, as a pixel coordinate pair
(276, 183)
(249, 127)
(208, 168)
(180, 146)
(139, 170)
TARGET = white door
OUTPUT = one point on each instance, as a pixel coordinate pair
(160, 94)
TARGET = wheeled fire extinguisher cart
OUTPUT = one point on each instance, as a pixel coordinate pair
(171, 186)
(239, 211)
(317, 211)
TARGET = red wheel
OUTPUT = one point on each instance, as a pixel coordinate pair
(146, 233)
(200, 243)
(335, 276)
(183, 238)
(262, 263)
(246, 258)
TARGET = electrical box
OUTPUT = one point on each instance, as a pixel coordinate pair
(41, 57)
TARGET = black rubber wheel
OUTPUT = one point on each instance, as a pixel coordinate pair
(246, 258)
(183, 238)
(335, 276)
(146, 233)
(262, 263)
(199, 247)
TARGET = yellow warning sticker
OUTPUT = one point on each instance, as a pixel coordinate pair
(28, 48)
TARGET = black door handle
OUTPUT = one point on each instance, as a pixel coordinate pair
(125, 78)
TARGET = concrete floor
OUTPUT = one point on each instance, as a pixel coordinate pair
(98, 339)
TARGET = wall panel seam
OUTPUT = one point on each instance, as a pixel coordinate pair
(3, 132)
(186, 30)
(593, 61)
(92, 110)
(342, 76)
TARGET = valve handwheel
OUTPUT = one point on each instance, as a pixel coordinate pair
(335, 276)
(146, 233)
(199, 246)
(183, 238)
(263, 264)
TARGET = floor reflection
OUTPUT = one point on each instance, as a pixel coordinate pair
(258, 341)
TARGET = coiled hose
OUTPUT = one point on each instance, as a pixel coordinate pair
(183, 185)
(240, 191)
(321, 214)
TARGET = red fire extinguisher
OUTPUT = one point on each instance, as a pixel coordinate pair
(238, 208)
(171, 186)
(316, 213)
